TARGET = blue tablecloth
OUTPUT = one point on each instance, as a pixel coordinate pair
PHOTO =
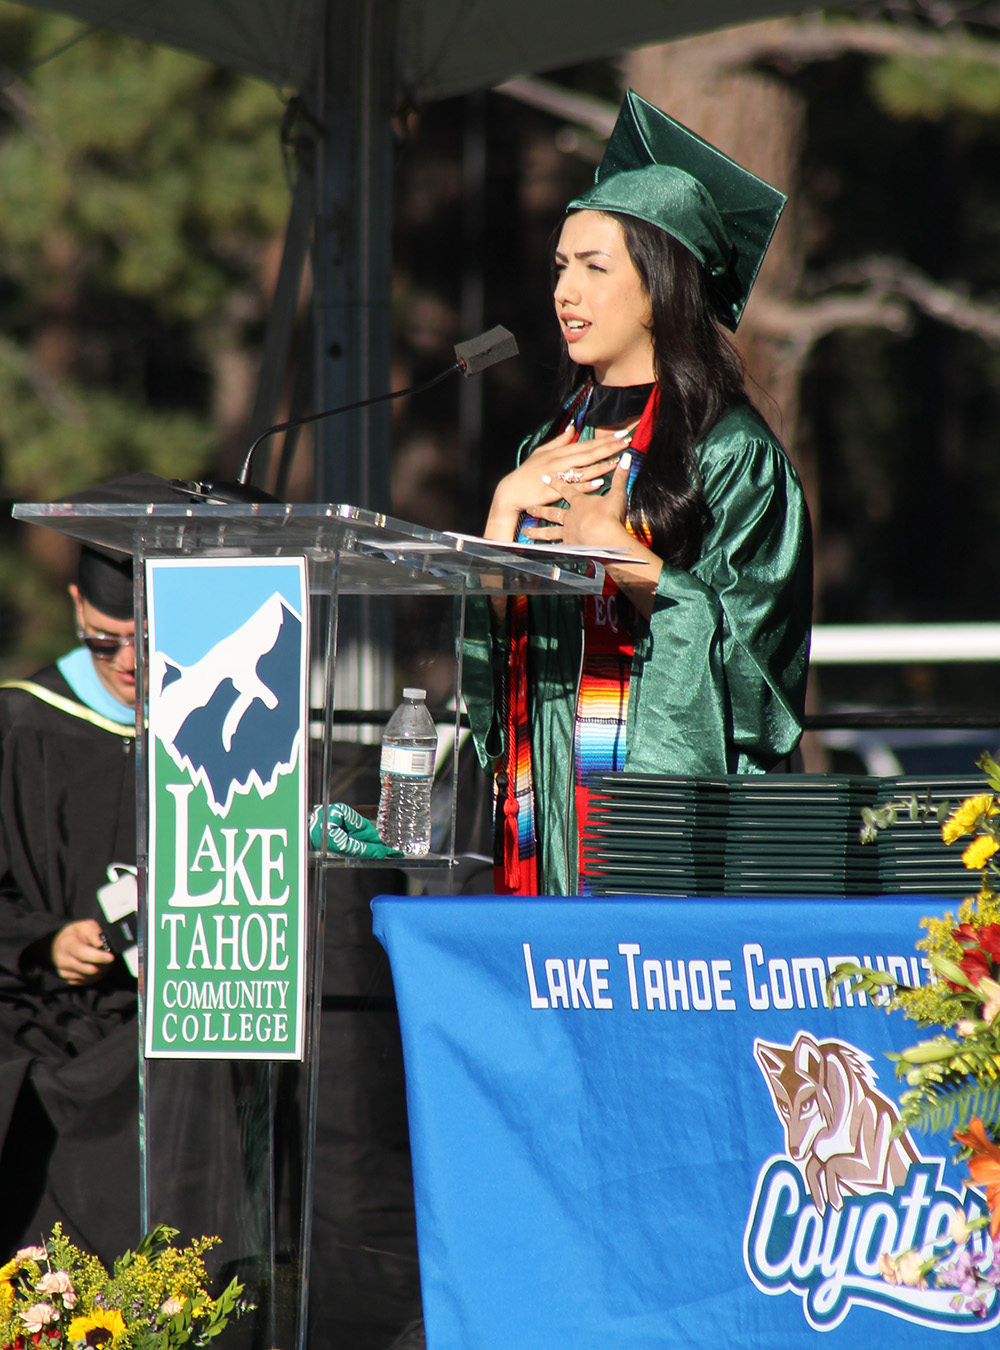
(634, 1123)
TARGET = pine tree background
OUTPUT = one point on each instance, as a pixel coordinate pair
(143, 196)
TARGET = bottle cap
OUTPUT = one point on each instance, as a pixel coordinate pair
(415, 693)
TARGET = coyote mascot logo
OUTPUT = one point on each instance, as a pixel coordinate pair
(845, 1190)
(838, 1126)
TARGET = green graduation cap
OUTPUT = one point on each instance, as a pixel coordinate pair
(656, 169)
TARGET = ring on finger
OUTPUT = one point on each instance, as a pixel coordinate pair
(571, 476)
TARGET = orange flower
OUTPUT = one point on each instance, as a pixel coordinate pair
(984, 1167)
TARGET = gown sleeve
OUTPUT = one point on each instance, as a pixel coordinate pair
(66, 812)
(22, 799)
(484, 645)
(718, 679)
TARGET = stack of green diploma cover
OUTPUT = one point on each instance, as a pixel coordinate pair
(776, 835)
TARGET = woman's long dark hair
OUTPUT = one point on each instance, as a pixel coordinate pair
(699, 374)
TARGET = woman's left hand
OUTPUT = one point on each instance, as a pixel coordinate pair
(599, 521)
(587, 517)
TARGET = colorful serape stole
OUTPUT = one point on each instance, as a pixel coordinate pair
(517, 874)
(602, 703)
(608, 648)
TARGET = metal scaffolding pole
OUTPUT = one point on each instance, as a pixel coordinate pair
(352, 262)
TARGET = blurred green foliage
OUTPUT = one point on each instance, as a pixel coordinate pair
(937, 88)
(139, 187)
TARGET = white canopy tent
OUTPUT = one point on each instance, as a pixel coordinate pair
(439, 47)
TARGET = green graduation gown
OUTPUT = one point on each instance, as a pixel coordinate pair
(719, 671)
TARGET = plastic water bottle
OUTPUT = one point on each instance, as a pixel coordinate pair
(409, 743)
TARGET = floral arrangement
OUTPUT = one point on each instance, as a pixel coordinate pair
(154, 1299)
(953, 1080)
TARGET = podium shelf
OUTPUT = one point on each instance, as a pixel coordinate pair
(436, 862)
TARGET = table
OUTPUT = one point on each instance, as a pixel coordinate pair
(634, 1123)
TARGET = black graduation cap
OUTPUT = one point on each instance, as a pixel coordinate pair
(104, 574)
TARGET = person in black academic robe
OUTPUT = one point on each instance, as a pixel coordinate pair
(68, 1008)
(68, 1024)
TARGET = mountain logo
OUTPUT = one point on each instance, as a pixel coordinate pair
(231, 719)
(845, 1190)
(227, 876)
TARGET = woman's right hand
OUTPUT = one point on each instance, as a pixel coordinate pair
(560, 460)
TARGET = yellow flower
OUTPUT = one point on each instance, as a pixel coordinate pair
(97, 1327)
(11, 1268)
(963, 819)
(6, 1297)
(979, 852)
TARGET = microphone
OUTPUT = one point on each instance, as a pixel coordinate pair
(485, 350)
(471, 357)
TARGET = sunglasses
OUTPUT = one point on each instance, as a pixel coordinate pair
(105, 645)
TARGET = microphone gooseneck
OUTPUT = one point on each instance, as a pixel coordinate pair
(471, 357)
(332, 412)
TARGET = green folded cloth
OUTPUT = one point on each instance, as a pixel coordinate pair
(347, 832)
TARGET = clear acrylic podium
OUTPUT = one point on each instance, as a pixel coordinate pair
(227, 1146)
